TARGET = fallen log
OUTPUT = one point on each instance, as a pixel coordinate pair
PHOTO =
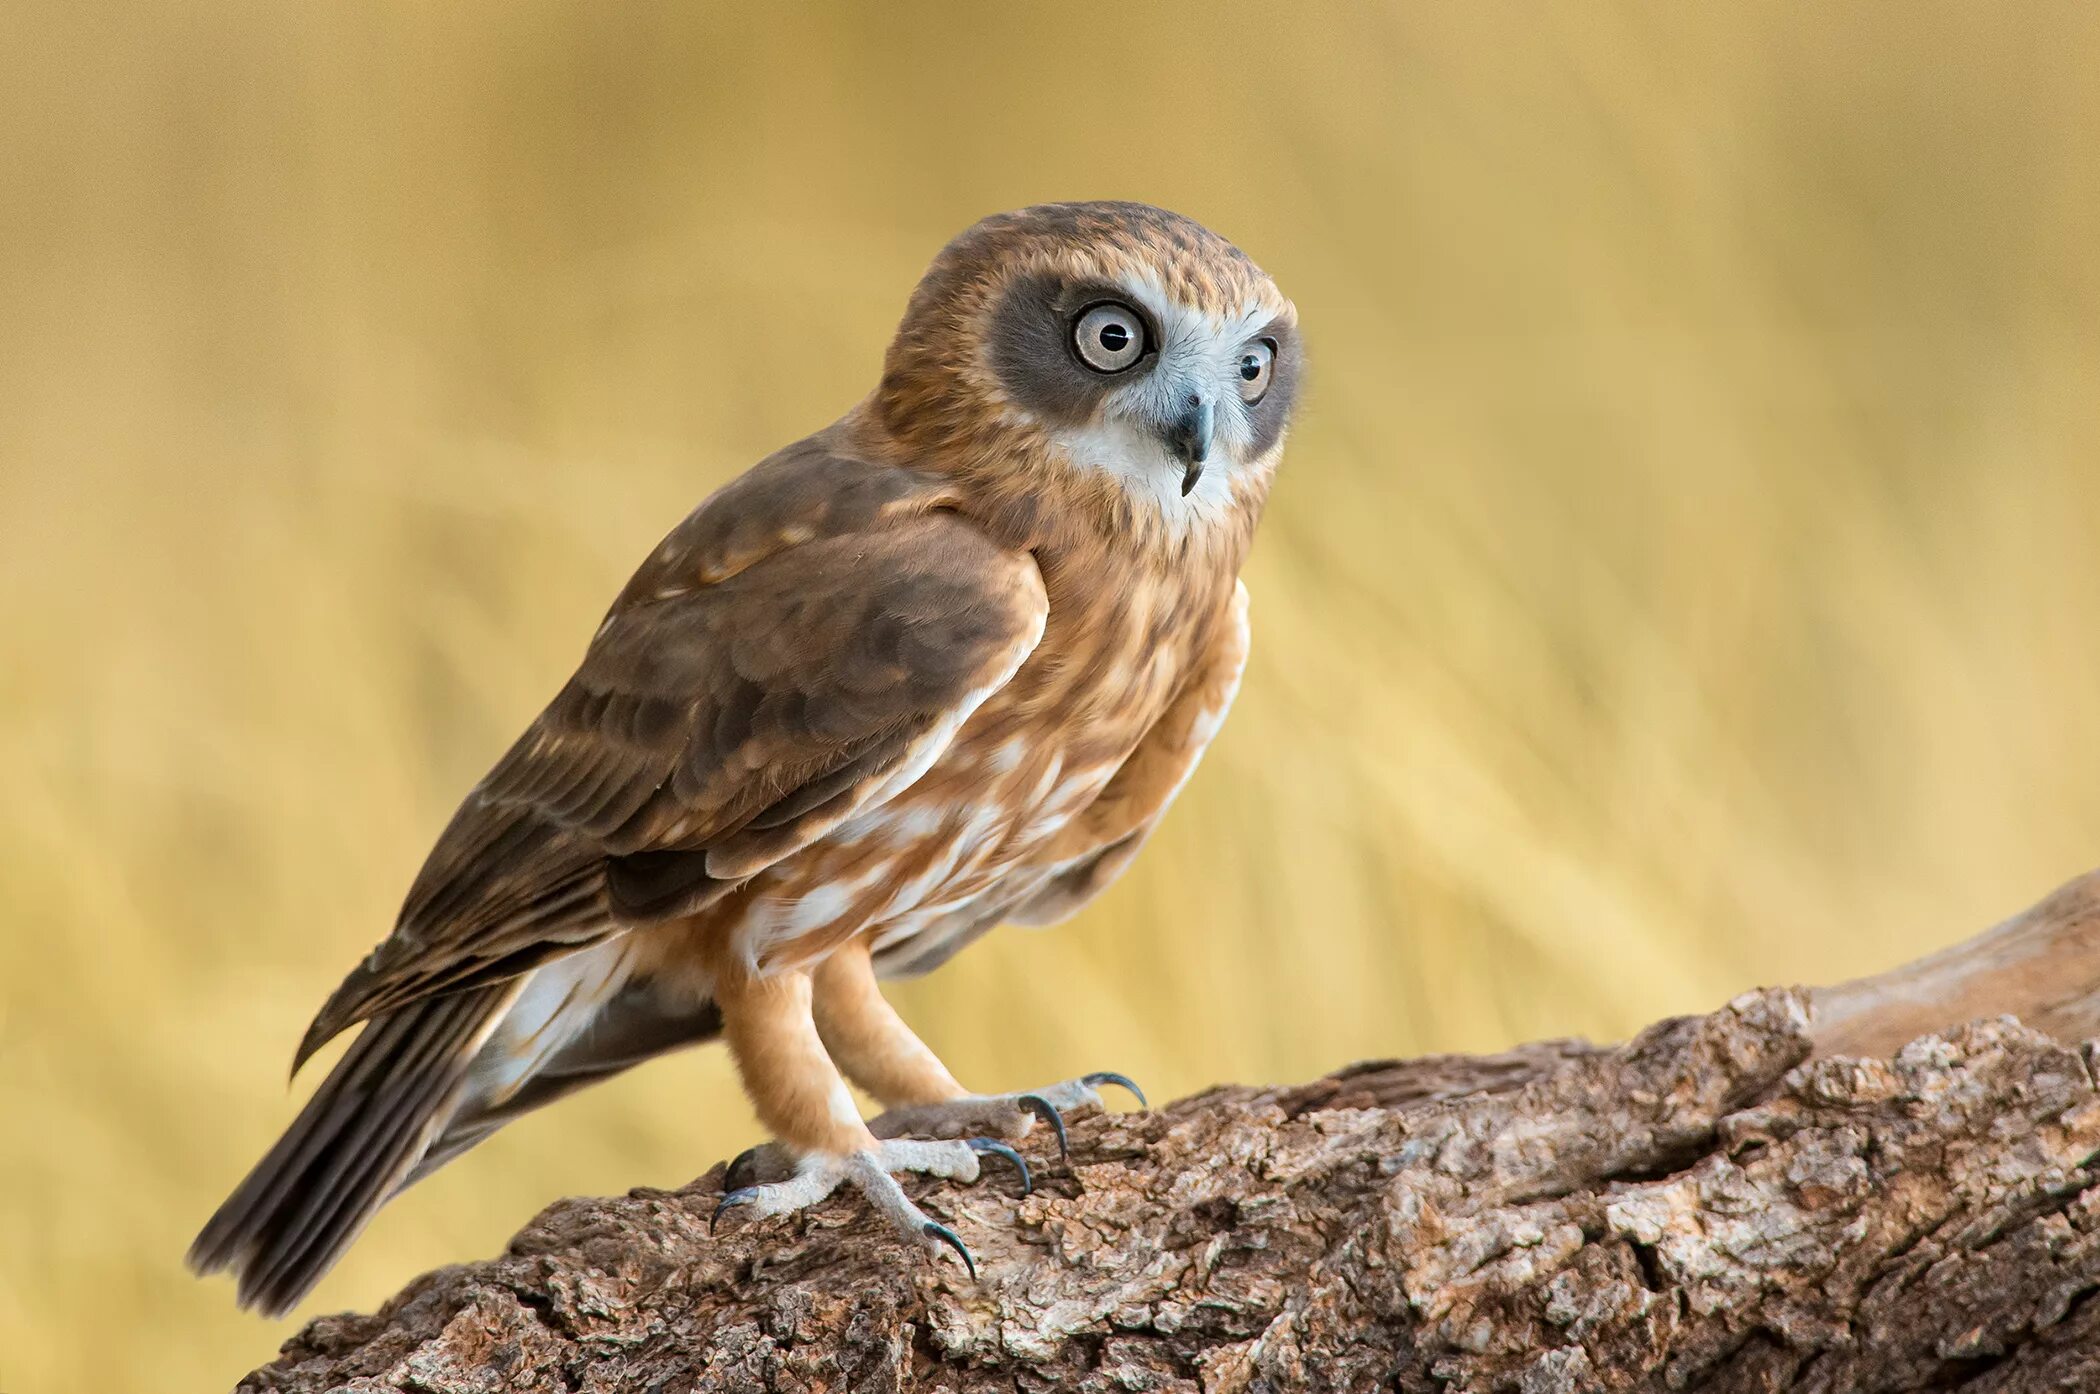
(1883, 1185)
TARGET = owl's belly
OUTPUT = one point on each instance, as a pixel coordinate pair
(973, 833)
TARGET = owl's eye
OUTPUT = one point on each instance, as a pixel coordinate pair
(1256, 366)
(1109, 337)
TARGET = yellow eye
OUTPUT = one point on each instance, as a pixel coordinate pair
(1109, 337)
(1257, 365)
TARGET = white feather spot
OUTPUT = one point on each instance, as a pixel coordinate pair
(906, 898)
(1046, 827)
(559, 1001)
(1079, 788)
(844, 1111)
(1047, 780)
(913, 825)
(819, 907)
(1208, 723)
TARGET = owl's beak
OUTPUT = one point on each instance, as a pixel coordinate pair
(1189, 437)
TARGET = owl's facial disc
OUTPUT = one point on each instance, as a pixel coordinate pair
(1167, 397)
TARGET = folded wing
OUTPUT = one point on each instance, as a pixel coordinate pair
(800, 649)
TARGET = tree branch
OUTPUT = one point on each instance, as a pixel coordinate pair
(1852, 1188)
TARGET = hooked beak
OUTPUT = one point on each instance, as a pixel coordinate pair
(1189, 438)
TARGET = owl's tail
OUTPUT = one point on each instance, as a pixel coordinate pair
(353, 1145)
(419, 1086)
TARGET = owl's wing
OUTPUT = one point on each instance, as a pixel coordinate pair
(792, 655)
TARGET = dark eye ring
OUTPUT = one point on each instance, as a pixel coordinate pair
(1109, 336)
(1257, 366)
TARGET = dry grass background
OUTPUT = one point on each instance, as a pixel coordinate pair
(1684, 576)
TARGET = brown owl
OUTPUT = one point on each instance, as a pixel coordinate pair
(939, 666)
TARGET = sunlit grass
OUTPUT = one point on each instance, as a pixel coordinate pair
(1683, 577)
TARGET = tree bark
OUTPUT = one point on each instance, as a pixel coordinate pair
(1884, 1185)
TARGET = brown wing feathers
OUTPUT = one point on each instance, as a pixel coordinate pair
(740, 719)
(779, 662)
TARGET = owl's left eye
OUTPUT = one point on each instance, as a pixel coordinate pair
(1109, 337)
(1256, 366)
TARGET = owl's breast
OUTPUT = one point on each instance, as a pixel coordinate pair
(975, 831)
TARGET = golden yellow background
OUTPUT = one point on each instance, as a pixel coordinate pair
(1684, 574)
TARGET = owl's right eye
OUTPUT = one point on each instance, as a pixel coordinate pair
(1109, 337)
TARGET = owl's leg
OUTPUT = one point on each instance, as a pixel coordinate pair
(800, 1096)
(872, 1044)
(869, 1040)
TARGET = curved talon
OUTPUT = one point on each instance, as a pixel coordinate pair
(1101, 1077)
(935, 1230)
(740, 1196)
(739, 1170)
(992, 1147)
(1047, 1111)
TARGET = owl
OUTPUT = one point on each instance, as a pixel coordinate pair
(940, 666)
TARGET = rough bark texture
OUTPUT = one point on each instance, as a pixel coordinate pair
(1725, 1203)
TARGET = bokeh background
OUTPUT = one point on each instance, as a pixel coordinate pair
(1684, 575)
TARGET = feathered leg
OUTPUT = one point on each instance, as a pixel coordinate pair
(871, 1043)
(801, 1097)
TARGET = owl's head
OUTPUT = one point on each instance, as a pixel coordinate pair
(1123, 342)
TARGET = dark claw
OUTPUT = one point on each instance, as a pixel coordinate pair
(1101, 1077)
(934, 1230)
(740, 1170)
(991, 1147)
(736, 1197)
(1047, 1111)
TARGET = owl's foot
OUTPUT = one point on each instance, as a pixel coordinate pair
(982, 1116)
(870, 1172)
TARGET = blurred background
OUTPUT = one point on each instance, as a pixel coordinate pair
(1683, 576)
